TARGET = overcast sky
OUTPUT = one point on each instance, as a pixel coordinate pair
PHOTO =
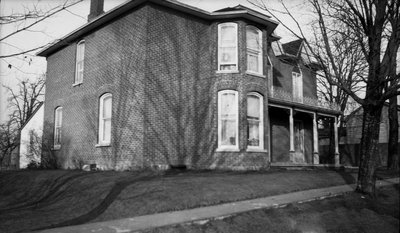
(30, 66)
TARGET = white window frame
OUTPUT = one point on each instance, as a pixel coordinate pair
(297, 86)
(270, 75)
(228, 147)
(234, 44)
(251, 51)
(101, 141)
(79, 62)
(260, 147)
(57, 128)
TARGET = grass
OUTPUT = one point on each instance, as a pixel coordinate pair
(44, 199)
(351, 212)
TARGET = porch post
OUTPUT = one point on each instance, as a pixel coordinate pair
(337, 161)
(291, 131)
(315, 135)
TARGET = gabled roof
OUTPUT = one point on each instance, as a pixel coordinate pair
(239, 7)
(33, 114)
(293, 47)
(106, 18)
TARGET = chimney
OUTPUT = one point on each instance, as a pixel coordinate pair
(96, 9)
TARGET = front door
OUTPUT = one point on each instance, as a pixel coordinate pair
(298, 142)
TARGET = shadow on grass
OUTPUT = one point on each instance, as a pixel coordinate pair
(108, 200)
(54, 191)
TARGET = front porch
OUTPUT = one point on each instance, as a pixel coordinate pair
(302, 135)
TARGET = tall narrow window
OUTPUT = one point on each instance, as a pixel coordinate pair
(297, 85)
(57, 127)
(255, 121)
(105, 119)
(227, 47)
(270, 69)
(228, 120)
(80, 54)
(254, 49)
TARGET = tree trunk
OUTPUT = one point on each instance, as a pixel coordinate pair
(369, 149)
(393, 151)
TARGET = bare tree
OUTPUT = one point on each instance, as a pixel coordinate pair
(393, 161)
(26, 99)
(29, 19)
(9, 139)
(374, 28)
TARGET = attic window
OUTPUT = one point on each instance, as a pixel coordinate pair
(227, 47)
(80, 54)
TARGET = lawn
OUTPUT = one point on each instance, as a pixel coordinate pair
(44, 199)
(351, 212)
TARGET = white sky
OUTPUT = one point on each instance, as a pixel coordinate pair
(30, 66)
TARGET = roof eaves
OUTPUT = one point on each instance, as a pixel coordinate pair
(115, 12)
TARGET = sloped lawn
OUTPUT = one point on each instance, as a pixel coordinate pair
(351, 212)
(44, 199)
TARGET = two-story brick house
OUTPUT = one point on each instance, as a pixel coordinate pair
(160, 83)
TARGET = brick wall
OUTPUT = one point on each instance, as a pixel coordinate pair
(160, 65)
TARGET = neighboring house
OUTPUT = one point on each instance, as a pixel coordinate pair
(350, 144)
(31, 138)
(160, 83)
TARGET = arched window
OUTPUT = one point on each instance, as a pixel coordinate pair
(80, 54)
(227, 47)
(255, 121)
(57, 127)
(297, 85)
(228, 118)
(254, 49)
(105, 113)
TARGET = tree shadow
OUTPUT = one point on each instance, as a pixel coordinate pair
(112, 195)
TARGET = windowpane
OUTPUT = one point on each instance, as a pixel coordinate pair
(252, 62)
(228, 107)
(228, 34)
(253, 107)
(105, 119)
(227, 46)
(253, 41)
(57, 126)
(107, 130)
(228, 118)
(255, 120)
(80, 54)
(107, 107)
(228, 55)
(228, 135)
(254, 132)
(254, 49)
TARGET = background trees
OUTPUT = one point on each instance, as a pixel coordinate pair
(349, 34)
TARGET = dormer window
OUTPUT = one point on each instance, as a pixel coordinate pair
(227, 47)
(254, 50)
(80, 54)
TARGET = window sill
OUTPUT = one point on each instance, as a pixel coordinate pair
(255, 74)
(255, 150)
(227, 149)
(76, 84)
(103, 145)
(227, 71)
(56, 147)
